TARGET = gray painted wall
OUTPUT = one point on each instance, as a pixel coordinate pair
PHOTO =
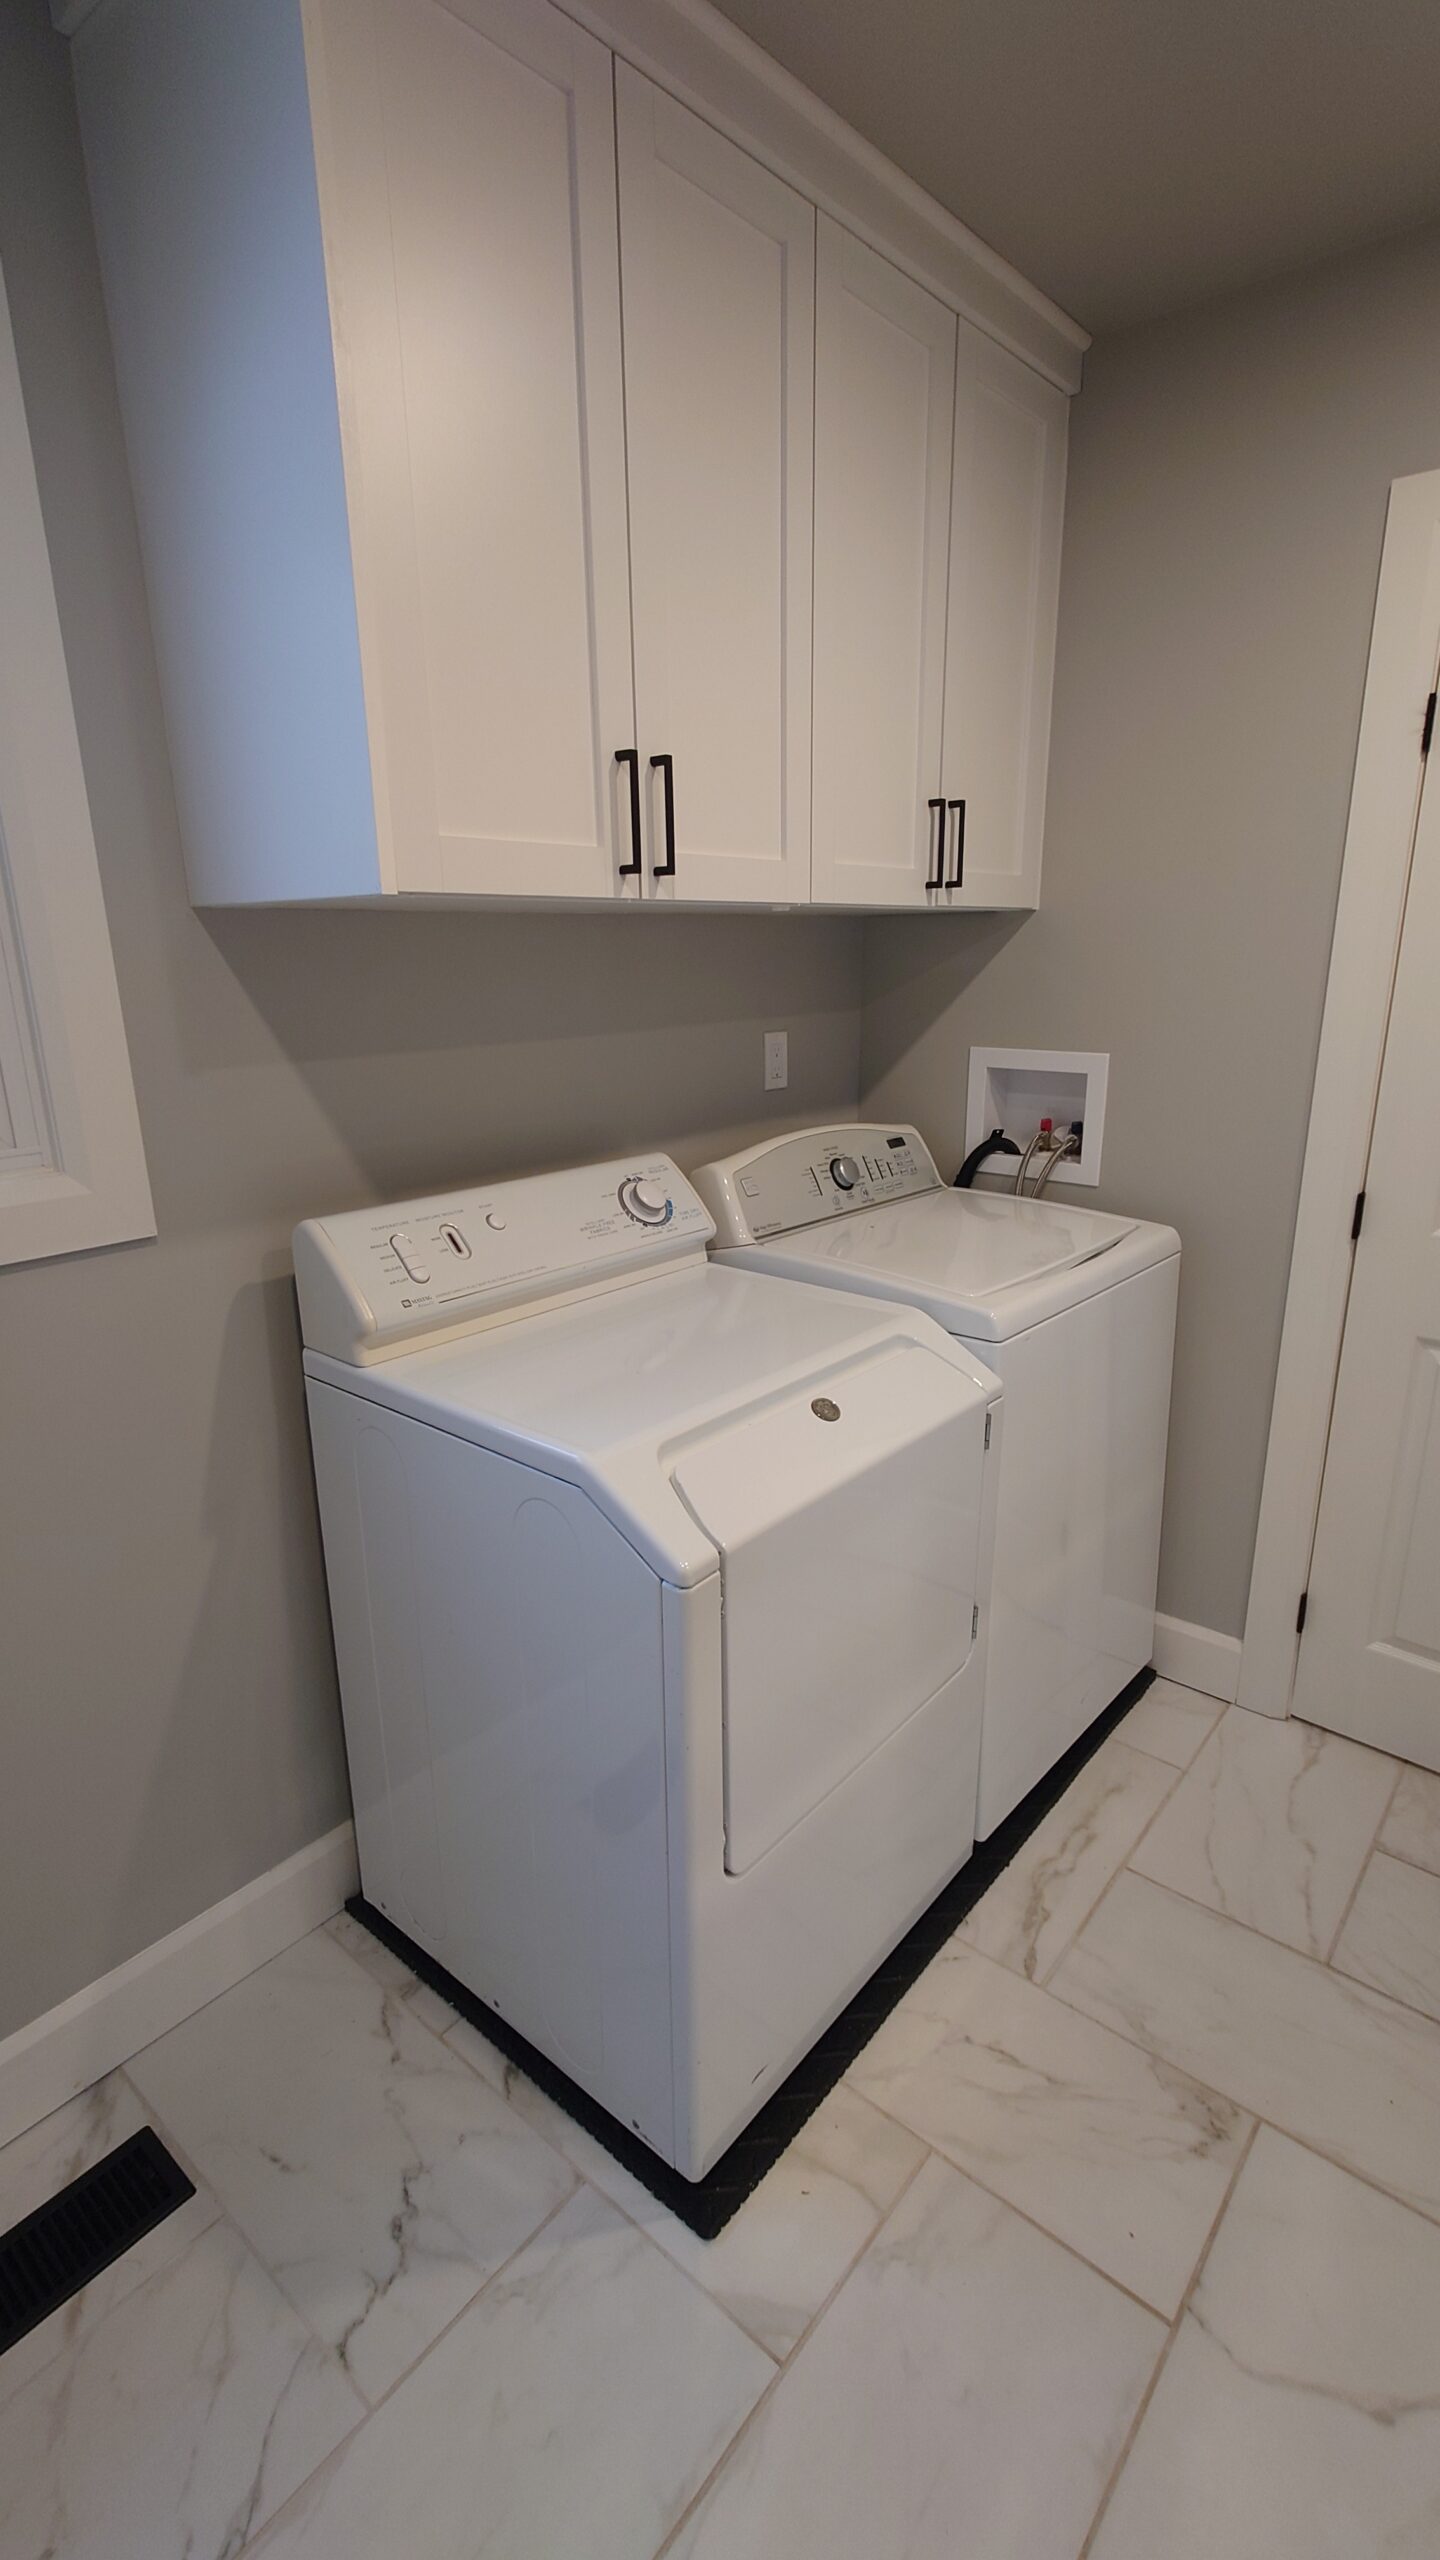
(171, 1727)
(1228, 483)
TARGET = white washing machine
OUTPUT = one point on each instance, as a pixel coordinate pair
(1075, 1310)
(659, 1604)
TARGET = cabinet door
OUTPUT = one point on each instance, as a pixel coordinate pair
(1009, 495)
(718, 260)
(884, 401)
(467, 169)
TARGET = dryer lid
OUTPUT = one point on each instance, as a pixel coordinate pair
(848, 1526)
(609, 1391)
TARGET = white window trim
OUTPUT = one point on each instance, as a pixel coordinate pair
(81, 1180)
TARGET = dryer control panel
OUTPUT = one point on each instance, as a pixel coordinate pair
(821, 1173)
(375, 1282)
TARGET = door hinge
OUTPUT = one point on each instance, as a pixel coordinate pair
(1358, 1221)
(1302, 1613)
(987, 1430)
(1428, 732)
(975, 1622)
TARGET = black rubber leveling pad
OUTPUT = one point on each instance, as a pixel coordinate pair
(706, 2205)
(72, 2238)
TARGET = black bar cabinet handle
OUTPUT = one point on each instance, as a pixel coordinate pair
(958, 881)
(665, 765)
(939, 880)
(631, 756)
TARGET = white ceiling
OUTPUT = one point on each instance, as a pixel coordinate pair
(1134, 156)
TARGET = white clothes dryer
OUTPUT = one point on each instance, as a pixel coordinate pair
(1075, 1311)
(659, 1593)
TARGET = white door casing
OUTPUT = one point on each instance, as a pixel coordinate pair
(1370, 1658)
(467, 167)
(884, 417)
(1378, 845)
(718, 268)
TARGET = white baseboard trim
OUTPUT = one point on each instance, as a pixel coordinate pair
(1197, 1657)
(58, 2055)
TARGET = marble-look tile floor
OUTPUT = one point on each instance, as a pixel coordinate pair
(1120, 2241)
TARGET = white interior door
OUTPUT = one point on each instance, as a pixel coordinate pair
(1370, 1656)
(468, 187)
(884, 413)
(1008, 502)
(718, 262)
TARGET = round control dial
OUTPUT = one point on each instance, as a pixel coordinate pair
(844, 1172)
(647, 1202)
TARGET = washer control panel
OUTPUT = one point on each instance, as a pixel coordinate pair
(822, 1173)
(375, 1282)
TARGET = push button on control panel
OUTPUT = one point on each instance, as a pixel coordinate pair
(409, 1256)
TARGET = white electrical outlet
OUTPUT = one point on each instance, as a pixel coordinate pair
(777, 1060)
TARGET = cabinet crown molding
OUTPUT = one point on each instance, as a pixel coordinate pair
(725, 76)
(700, 57)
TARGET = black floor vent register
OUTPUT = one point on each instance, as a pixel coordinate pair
(707, 2206)
(66, 2243)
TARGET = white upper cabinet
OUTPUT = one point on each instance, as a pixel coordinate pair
(1009, 497)
(718, 261)
(467, 189)
(939, 490)
(362, 268)
(884, 409)
(513, 525)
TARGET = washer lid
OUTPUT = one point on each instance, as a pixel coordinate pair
(983, 1264)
